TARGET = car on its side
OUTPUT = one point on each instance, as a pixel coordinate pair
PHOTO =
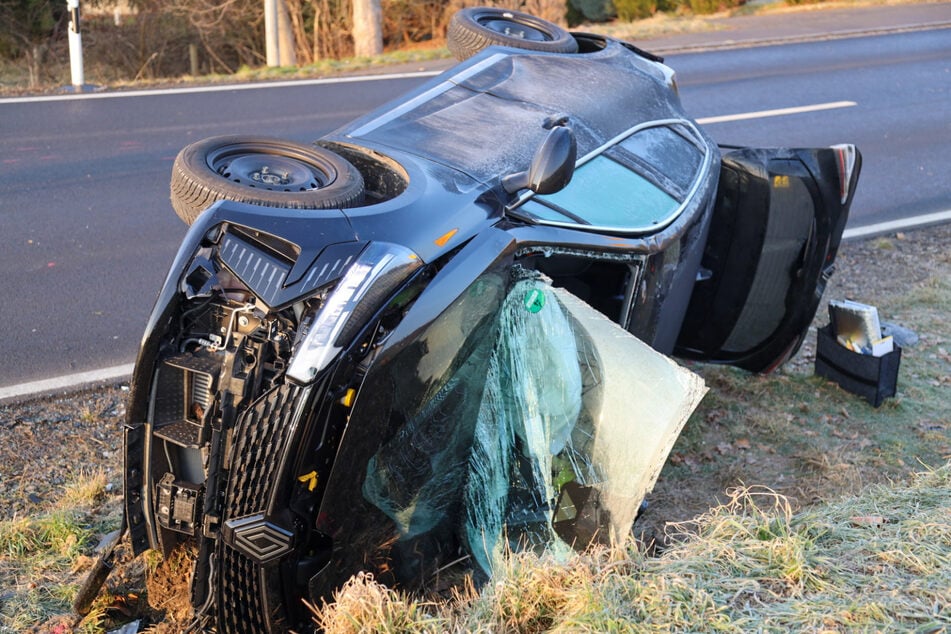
(343, 371)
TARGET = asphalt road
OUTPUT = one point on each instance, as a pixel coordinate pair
(88, 232)
(901, 85)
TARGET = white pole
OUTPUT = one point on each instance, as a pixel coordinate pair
(271, 40)
(75, 45)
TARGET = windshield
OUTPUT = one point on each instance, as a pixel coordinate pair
(543, 426)
(637, 183)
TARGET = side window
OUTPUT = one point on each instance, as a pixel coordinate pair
(607, 193)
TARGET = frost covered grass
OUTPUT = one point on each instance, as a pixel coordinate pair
(39, 555)
(880, 561)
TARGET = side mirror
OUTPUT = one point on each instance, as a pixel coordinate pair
(552, 166)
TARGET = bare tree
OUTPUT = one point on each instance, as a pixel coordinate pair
(367, 28)
(27, 27)
(302, 39)
(230, 31)
(321, 28)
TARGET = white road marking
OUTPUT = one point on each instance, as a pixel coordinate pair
(66, 382)
(779, 112)
(219, 88)
(898, 225)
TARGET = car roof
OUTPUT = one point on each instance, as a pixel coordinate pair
(487, 116)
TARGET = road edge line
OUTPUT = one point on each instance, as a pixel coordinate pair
(65, 383)
(914, 222)
(230, 87)
(728, 45)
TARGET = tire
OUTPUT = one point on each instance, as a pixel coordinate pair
(261, 171)
(476, 28)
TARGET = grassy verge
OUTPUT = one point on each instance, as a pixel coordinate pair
(323, 68)
(41, 555)
(15, 81)
(806, 437)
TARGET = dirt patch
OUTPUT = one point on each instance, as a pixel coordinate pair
(168, 592)
(47, 443)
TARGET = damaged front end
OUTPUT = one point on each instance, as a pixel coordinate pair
(253, 351)
(302, 412)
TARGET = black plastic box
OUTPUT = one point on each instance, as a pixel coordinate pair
(874, 378)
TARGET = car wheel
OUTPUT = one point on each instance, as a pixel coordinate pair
(261, 171)
(476, 28)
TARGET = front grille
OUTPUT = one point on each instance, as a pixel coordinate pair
(259, 441)
(242, 608)
(263, 272)
(260, 437)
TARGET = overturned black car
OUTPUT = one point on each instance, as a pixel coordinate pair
(383, 351)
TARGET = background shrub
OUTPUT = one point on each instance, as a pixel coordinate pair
(591, 11)
(630, 10)
(713, 6)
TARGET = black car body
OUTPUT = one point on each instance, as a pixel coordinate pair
(306, 376)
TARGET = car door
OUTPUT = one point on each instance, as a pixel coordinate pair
(774, 235)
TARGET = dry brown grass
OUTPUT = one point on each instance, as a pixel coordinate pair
(876, 562)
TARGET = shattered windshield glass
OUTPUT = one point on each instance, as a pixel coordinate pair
(544, 429)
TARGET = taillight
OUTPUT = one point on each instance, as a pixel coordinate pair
(845, 155)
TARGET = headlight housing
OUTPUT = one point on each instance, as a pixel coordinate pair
(371, 279)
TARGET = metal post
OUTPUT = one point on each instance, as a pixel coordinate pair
(75, 45)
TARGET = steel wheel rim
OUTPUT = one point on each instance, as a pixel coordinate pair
(506, 25)
(273, 172)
